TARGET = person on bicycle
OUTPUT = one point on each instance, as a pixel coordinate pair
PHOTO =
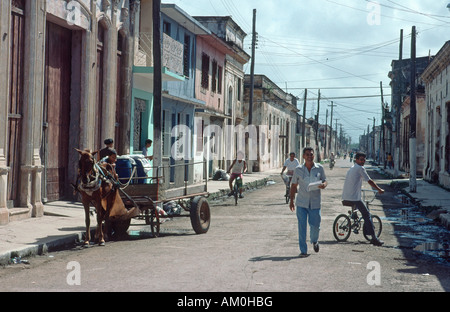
(238, 167)
(290, 164)
(352, 193)
(332, 160)
(308, 201)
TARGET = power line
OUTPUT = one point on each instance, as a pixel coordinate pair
(352, 97)
(366, 11)
(409, 10)
(336, 88)
(321, 62)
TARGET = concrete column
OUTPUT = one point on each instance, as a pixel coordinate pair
(127, 56)
(31, 167)
(5, 16)
(88, 81)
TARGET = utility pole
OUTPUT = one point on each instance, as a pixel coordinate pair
(326, 138)
(157, 83)
(331, 125)
(336, 139)
(368, 141)
(398, 108)
(412, 116)
(304, 120)
(382, 143)
(252, 71)
(317, 128)
(374, 155)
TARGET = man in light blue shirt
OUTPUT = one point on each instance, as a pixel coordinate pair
(310, 179)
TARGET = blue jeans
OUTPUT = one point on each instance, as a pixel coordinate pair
(313, 217)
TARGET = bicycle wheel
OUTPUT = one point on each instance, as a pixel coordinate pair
(287, 194)
(342, 228)
(378, 226)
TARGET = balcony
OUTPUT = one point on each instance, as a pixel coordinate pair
(172, 61)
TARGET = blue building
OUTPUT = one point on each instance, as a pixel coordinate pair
(179, 31)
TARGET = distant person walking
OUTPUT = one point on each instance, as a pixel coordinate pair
(390, 160)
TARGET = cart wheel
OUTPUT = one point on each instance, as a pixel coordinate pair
(200, 214)
(154, 222)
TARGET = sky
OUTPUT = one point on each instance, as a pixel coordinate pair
(342, 48)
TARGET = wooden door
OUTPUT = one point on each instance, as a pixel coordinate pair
(15, 105)
(57, 109)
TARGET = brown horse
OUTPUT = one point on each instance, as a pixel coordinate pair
(98, 186)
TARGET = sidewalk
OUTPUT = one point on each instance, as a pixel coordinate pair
(427, 195)
(63, 223)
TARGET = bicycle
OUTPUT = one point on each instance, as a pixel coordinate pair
(332, 162)
(345, 224)
(236, 187)
(287, 182)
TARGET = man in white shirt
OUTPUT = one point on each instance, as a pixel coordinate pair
(290, 164)
(352, 193)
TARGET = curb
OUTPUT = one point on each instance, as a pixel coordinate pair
(246, 186)
(40, 249)
(63, 242)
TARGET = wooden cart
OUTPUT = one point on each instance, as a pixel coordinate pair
(150, 198)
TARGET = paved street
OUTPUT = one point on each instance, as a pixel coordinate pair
(251, 247)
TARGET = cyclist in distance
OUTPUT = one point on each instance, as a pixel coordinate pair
(238, 167)
(352, 193)
(290, 164)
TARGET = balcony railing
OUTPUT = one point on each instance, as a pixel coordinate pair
(172, 52)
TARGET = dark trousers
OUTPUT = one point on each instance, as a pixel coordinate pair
(368, 224)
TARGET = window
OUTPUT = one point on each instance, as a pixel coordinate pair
(200, 127)
(166, 28)
(447, 145)
(205, 71)
(239, 89)
(166, 132)
(214, 76)
(187, 55)
(219, 80)
(230, 101)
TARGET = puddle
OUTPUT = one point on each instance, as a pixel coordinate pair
(435, 249)
(417, 232)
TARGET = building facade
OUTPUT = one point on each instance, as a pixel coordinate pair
(59, 91)
(275, 120)
(224, 99)
(437, 145)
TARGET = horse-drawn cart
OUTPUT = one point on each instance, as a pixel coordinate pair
(151, 196)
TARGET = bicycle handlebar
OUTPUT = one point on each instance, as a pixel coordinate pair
(364, 194)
